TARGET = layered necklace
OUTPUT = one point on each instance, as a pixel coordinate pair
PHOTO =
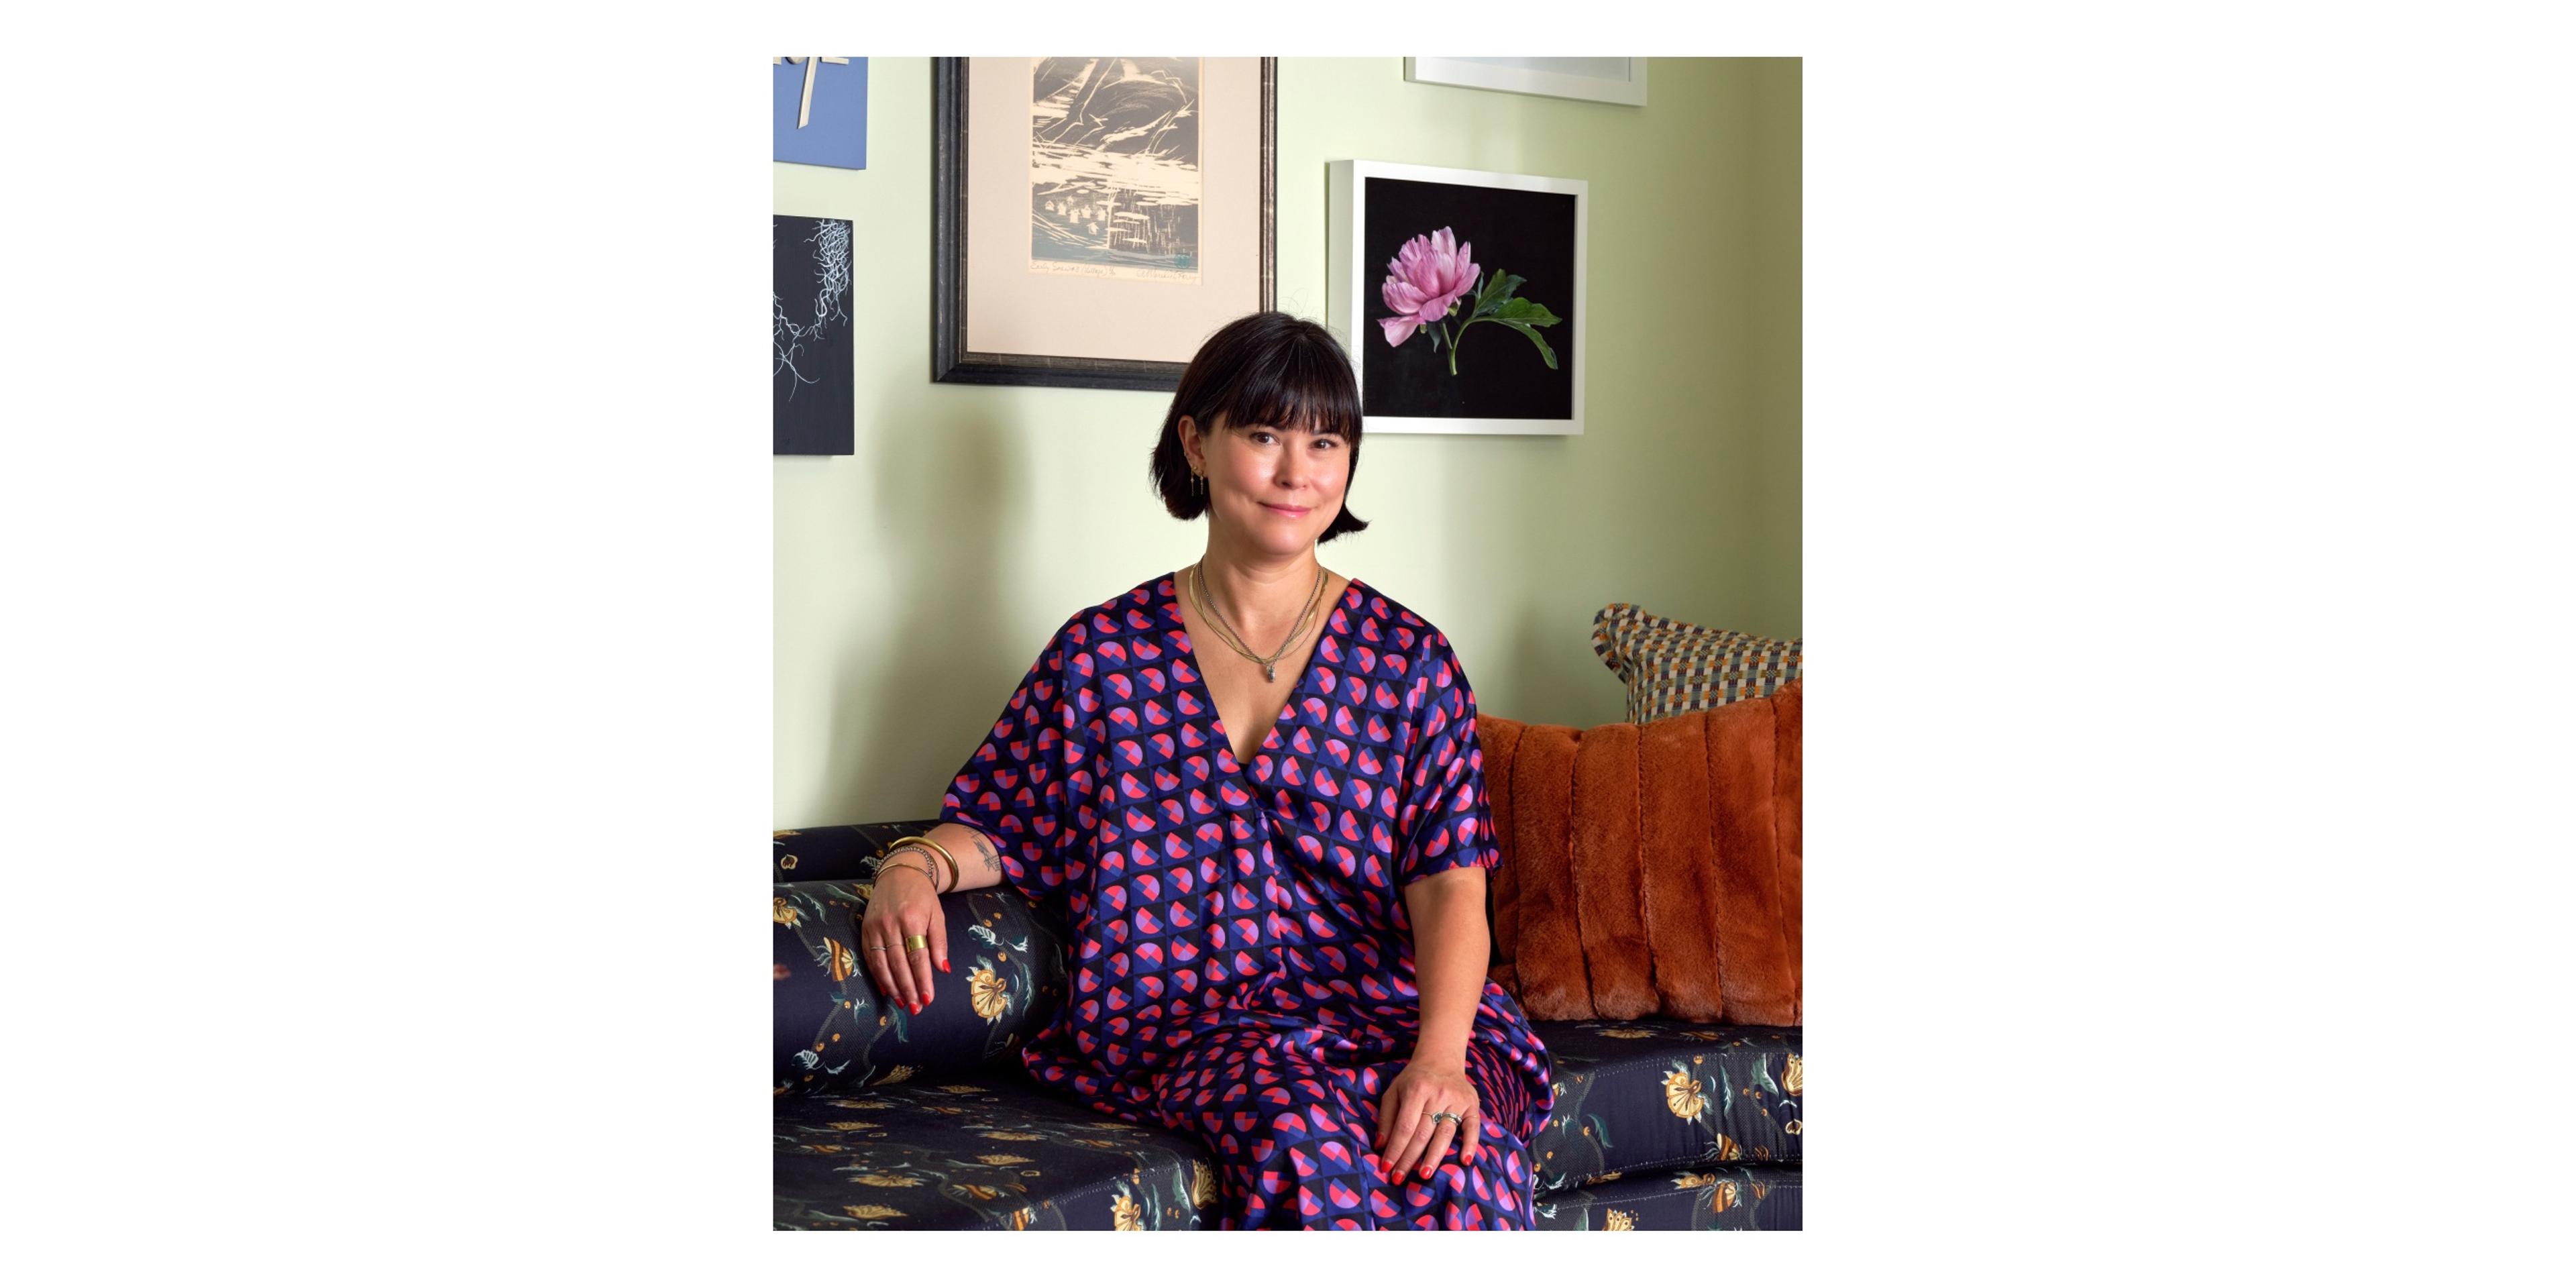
(1225, 632)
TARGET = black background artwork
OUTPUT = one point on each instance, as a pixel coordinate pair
(1500, 373)
(813, 378)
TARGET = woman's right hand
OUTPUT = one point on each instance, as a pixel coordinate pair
(904, 904)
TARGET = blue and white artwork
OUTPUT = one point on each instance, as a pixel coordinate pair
(818, 111)
(813, 375)
(1114, 181)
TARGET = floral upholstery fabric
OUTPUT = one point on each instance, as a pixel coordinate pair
(1646, 1095)
(842, 853)
(833, 1032)
(983, 1152)
(887, 1120)
(1731, 1197)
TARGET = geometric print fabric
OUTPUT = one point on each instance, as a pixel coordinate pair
(1673, 667)
(1241, 960)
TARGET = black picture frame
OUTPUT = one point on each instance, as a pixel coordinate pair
(951, 362)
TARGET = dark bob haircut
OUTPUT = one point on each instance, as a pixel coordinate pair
(1263, 369)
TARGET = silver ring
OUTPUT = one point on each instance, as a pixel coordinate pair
(1451, 1117)
(876, 948)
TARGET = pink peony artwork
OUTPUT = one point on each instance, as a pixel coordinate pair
(1427, 279)
(1423, 280)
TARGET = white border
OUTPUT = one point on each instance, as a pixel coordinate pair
(1347, 295)
(1520, 80)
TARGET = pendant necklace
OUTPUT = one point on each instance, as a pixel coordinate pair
(1226, 634)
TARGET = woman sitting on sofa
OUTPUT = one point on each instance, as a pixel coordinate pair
(1252, 789)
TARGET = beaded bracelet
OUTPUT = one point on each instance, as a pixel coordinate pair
(935, 846)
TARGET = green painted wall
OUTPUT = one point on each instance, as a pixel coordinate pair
(916, 579)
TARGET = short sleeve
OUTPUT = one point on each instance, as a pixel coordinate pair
(1023, 787)
(1446, 821)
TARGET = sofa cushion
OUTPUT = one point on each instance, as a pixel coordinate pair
(1736, 1196)
(1650, 1095)
(1650, 869)
(1673, 667)
(832, 1031)
(981, 1152)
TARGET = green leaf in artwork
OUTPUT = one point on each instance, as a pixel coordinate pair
(1544, 352)
(1530, 311)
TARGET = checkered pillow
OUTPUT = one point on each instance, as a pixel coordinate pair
(1674, 667)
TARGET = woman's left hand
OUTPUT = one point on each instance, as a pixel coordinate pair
(1406, 1137)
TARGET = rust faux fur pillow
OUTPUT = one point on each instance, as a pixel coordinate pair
(1650, 869)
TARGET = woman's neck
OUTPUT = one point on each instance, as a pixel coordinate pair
(1259, 597)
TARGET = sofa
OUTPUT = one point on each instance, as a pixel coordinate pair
(888, 1120)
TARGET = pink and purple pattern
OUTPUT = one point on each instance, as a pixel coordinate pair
(1242, 963)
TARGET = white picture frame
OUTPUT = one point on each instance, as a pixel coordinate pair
(1355, 274)
(1598, 80)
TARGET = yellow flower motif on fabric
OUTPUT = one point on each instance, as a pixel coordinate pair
(1618, 1220)
(1796, 1078)
(988, 993)
(900, 1072)
(1124, 1214)
(873, 1211)
(961, 1089)
(844, 963)
(783, 912)
(1627, 1033)
(1727, 1150)
(1694, 1180)
(851, 1126)
(1000, 1160)
(984, 1192)
(1605, 1176)
(787, 863)
(1795, 1127)
(1682, 1096)
(1202, 1184)
(887, 1180)
(1013, 1135)
(1724, 1197)
(789, 832)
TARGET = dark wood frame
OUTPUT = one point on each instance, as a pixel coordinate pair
(951, 362)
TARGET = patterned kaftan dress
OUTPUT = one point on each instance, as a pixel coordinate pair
(1242, 963)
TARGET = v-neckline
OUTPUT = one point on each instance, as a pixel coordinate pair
(1331, 609)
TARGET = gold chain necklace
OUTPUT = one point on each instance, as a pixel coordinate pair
(1227, 636)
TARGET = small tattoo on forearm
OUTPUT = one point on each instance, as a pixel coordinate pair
(992, 857)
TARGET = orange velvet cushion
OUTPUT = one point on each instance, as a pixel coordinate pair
(1650, 869)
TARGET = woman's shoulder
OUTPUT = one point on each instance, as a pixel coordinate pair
(1379, 620)
(1129, 612)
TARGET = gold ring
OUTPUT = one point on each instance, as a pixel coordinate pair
(911, 942)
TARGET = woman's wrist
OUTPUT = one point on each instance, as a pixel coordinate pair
(922, 872)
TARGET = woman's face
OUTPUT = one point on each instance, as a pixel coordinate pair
(1275, 490)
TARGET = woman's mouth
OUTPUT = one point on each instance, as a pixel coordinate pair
(1292, 511)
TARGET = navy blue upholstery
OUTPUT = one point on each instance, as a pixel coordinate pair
(1638, 1095)
(888, 1120)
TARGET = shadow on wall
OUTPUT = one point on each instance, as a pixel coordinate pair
(894, 723)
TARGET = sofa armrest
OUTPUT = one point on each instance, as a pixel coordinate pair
(833, 1031)
(843, 852)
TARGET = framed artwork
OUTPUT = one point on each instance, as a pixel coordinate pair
(818, 111)
(1093, 220)
(1419, 257)
(1599, 80)
(813, 376)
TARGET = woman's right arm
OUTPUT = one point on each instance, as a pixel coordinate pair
(905, 904)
